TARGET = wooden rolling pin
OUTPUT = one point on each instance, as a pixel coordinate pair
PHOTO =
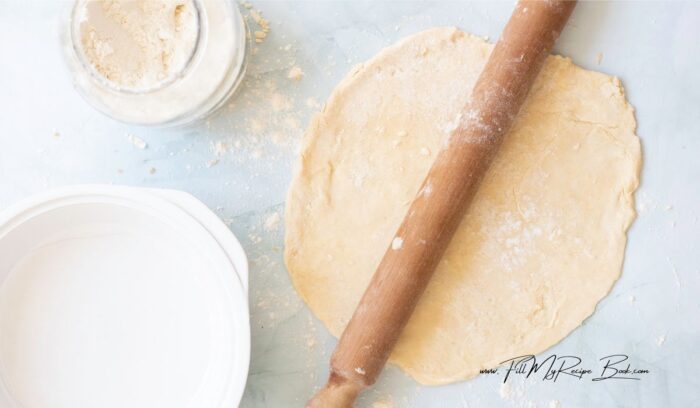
(447, 191)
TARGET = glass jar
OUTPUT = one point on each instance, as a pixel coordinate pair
(209, 75)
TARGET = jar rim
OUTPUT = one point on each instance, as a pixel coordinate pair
(213, 75)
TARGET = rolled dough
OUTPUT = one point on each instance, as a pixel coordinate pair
(541, 244)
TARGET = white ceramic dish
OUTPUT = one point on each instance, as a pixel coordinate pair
(218, 229)
(120, 297)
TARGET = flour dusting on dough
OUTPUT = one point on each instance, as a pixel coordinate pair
(543, 240)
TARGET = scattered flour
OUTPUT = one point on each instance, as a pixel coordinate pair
(312, 103)
(280, 102)
(272, 222)
(383, 403)
(219, 148)
(295, 73)
(136, 141)
(262, 23)
(427, 189)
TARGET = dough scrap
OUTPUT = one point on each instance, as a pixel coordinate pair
(543, 241)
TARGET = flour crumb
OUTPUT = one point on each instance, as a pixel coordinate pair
(136, 141)
(668, 207)
(427, 190)
(632, 299)
(280, 103)
(383, 403)
(264, 25)
(295, 73)
(360, 370)
(260, 36)
(272, 222)
(397, 243)
(554, 404)
(311, 102)
(310, 343)
(219, 148)
(55, 133)
(660, 340)
(255, 239)
(211, 163)
(152, 170)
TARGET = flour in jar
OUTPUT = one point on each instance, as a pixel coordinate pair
(138, 45)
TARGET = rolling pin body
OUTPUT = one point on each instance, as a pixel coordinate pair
(445, 195)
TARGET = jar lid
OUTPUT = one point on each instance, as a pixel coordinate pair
(116, 296)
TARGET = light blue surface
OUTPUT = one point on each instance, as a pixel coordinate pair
(652, 313)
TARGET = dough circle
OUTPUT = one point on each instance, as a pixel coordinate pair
(543, 241)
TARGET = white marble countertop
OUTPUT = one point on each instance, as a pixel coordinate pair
(239, 163)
